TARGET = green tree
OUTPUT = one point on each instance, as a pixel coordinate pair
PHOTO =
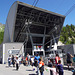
(1, 33)
(67, 35)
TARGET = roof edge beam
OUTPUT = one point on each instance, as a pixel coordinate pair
(36, 35)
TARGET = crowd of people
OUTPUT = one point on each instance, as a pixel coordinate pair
(15, 61)
(56, 68)
(33, 61)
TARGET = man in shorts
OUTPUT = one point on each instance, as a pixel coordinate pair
(69, 56)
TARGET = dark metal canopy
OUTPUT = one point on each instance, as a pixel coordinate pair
(36, 26)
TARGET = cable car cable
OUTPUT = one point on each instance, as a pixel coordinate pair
(70, 10)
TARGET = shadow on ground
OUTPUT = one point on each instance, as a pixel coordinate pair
(32, 74)
(29, 70)
(15, 70)
(8, 66)
(70, 69)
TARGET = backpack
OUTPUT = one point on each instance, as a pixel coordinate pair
(41, 68)
(74, 59)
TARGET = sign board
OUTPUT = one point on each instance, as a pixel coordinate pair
(38, 47)
(13, 51)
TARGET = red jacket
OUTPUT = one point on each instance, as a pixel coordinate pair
(57, 59)
(41, 63)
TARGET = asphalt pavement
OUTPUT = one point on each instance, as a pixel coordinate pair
(24, 70)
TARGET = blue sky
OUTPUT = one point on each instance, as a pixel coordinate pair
(57, 6)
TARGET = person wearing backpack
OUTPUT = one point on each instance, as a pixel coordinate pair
(41, 66)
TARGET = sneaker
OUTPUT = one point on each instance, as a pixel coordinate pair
(36, 71)
(33, 69)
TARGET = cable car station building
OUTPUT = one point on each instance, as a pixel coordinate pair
(32, 27)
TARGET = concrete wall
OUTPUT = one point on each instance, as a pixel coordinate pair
(1, 52)
(67, 48)
(10, 22)
(7, 46)
(74, 48)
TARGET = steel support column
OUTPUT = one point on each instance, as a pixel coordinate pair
(30, 38)
(55, 44)
(44, 37)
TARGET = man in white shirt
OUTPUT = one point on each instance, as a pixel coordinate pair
(32, 60)
(17, 63)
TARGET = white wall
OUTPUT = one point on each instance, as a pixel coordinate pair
(10, 24)
(74, 48)
(7, 46)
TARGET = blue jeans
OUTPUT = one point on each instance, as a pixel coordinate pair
(37, 70)
(60, 72)
(9, 63)
(41, 73)
(28, 62)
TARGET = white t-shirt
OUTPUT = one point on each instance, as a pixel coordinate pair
(17, 61)
(28, 57)
(32, 59)
(9, 58)
(53, 70)
(19, 58)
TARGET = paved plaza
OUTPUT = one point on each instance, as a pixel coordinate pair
(23, 70)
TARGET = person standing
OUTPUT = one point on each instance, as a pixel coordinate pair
(19, 59)
(50, 64)
(17, 63)
(9, 60)
(60, 67)
(32, 62)
(41, 66)
(36, 60)
(26, 61)
(13, 61)
(57, 58)
(53, 69)
(28, 56)
(69, 56)
(74, 61)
